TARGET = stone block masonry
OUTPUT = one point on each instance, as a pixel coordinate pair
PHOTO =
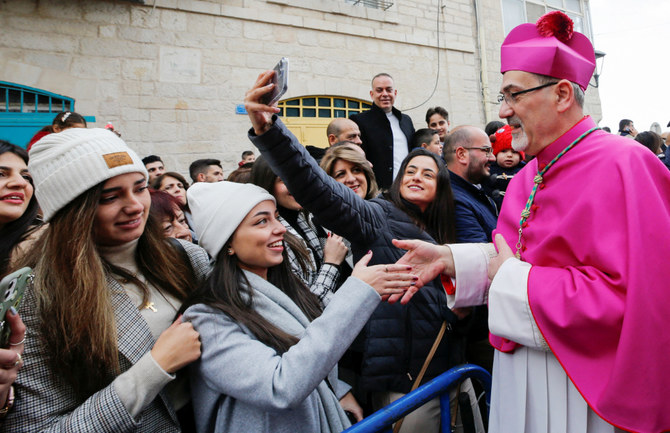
(169, 75)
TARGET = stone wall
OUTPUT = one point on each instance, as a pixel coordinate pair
(170, 74)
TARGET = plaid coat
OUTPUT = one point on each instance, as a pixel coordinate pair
(44, 403)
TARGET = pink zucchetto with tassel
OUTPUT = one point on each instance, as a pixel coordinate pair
(549, 47)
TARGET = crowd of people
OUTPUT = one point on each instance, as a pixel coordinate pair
(315, 286)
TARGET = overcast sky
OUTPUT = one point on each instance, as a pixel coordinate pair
(635, 80)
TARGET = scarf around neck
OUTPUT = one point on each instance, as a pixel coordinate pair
(277, 308)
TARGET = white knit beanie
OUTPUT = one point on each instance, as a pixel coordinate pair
(66, 164)
(219, 208)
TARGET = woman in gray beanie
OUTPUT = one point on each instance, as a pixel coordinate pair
(101, 345)
(269, 354)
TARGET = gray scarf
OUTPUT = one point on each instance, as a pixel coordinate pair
(277, 308)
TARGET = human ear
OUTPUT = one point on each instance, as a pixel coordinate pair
(565, 95)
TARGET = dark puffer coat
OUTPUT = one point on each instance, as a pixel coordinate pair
(397, 338)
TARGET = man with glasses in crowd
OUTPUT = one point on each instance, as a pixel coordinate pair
(468, 154)
(577, 292)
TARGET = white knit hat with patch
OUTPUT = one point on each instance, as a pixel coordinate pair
(66, 164)
(218, 209)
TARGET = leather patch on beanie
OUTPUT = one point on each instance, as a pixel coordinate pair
(117, 159)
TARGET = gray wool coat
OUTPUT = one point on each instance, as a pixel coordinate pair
(241, 385)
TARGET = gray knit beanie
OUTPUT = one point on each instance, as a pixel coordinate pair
(218, 208)
(66, 164)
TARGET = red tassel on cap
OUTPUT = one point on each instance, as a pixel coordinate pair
(556, 24)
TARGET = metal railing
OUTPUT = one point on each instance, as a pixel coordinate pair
(383, 419)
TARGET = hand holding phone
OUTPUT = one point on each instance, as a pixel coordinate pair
(12, 288)
(280, 80)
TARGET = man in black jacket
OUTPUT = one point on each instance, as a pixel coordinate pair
(385, 131)
(468, 154)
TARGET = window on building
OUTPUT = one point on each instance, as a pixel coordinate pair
(308, 116)
(517, 12)
(328, 107)
(377, 4)
(25, 110)
(15, 98)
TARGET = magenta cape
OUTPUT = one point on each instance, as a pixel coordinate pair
(598, 238)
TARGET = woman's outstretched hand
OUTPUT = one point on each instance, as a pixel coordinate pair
(259, 113)
(387, 280)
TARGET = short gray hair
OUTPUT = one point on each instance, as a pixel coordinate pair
(579, 93)
(381, 74)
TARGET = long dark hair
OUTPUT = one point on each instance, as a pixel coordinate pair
(228, 290)
(77, 325)
(14, 232)
(263, 176)
(438, 218)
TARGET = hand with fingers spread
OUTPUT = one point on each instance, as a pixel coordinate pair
(10, 358)
(177, 346)
(387, 280)
(259, 113)
(427, 261)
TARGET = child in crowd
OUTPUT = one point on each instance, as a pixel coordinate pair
(508, 163)
(247, 157)
(63, 120)
(429, 139)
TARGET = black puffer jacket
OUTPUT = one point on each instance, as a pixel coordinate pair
(397, 338)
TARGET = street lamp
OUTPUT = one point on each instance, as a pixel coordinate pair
(600, 60)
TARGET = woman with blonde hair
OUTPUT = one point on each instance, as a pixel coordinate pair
(346, 164)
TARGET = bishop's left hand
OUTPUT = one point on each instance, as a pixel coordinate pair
(504, 253)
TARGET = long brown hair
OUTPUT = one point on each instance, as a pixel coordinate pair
(228, 290)
(77, 323)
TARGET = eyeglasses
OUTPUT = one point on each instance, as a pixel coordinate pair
(487, 150)
(510, 98)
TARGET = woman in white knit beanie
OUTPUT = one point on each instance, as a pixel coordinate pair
(101, 344)
(269, 353)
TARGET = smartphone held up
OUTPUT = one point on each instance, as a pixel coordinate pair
(280, 80)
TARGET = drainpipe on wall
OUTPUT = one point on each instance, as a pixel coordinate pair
(483, 74)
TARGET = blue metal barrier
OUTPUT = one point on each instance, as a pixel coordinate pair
(382, 420)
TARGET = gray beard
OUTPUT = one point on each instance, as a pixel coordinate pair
(520, 144)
